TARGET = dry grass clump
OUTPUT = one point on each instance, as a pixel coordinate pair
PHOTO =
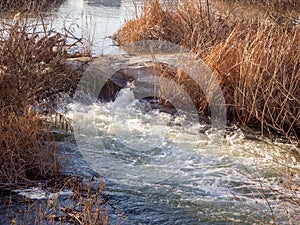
(188, 23)
(87, 205)
(25, 154)
(279, 11)
(32, 61)
(186, 83)
(72, 201)
(33, 70)
(257, 62)
(28, 5)
(259, 69)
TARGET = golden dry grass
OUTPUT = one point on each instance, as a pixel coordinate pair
(33, 70)
(278, 10)
(255, 54)
(28, 6)
(258, 67)
(25, 155)
(257, 61)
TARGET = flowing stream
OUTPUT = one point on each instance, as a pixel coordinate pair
(158, 167)
(159, 170)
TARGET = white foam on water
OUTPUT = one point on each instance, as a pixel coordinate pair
(133, 146)
(39, 194)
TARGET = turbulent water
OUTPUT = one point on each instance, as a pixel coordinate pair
(161, 169)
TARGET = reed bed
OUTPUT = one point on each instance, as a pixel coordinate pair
(255, 55)
(256, 60)
(280, 10)
(33, 71)
(28, 6)
(25, 155)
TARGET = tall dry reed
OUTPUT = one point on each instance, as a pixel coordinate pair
(33, 71)
(257, 62)
(24, 153)
(259, 69)
(256, 58)
(8, 6)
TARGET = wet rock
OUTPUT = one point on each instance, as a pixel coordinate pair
(135, 74)
(105, 76)
(141, 77)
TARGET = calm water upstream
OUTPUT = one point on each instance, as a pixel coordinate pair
(158, 168)
(95, 20)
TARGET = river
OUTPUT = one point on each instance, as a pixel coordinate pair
(158, 169)
(95, 20)
(171, 173)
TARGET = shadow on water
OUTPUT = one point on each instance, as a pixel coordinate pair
(105, 3)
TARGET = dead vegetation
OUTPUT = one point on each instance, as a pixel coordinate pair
(33, 70)
(256, 59)
(24, 154)
(28, 6)
(277, 11)
(72, 200)
(255, 55)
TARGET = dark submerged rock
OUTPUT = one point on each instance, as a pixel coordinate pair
(136, 75)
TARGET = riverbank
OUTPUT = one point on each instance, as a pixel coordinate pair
(253, 49)
(34, 72)
(254, 56)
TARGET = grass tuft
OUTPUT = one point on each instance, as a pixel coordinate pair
(256, 60)
(34, 69)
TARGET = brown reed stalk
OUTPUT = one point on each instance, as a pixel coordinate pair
(24, 153)
(259, 66)
(89, 204)
(256, 62)
(9, 6)
(33, 71)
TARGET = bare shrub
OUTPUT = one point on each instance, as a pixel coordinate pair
(33, 70)
(25, 155)
(28, 6)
